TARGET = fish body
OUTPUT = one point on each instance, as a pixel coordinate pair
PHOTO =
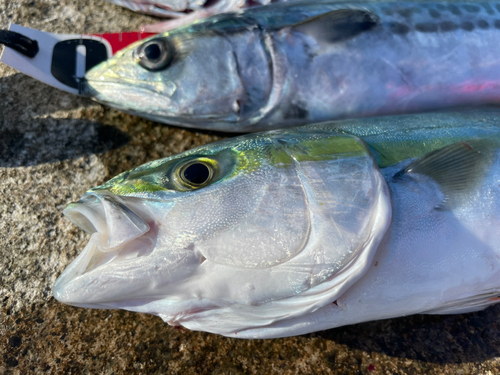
(299, 230)
(168, 8)
(179, 12)
(291, 64)
(183, 12)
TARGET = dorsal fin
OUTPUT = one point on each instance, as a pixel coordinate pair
(337, 25)
(457, 168)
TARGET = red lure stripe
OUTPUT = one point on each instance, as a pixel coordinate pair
(119, 41)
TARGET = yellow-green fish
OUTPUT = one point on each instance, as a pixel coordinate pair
(294, 231)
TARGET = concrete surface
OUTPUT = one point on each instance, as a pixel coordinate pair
(53, 147)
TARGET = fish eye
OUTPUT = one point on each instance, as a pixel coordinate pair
(196, 174)
(155, 54)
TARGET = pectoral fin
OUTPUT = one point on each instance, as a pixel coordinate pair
(337, 25)
(457, 168)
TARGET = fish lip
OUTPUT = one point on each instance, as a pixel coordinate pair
(103, 214)
(84, 216)
(88, 90)
(92, 215)
(188, 120)
(103, 91)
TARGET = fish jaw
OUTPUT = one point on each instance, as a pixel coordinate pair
(103, 91)
(121, 255)
(105, 219)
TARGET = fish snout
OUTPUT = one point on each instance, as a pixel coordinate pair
(115, 222)
(118, 234)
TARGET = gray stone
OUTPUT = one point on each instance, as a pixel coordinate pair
(53, 147)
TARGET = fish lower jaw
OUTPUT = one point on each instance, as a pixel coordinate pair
(118, 233)
(71, 284)
(100, 254)
(136, 248)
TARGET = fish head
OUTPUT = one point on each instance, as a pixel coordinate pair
(248, 231)
(194, 79)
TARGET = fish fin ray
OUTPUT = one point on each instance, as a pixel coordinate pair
(457, 168)
(337, 25)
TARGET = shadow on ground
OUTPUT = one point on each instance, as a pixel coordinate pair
(56, 140)
(40, 124)
(437, 339)
(24, 97)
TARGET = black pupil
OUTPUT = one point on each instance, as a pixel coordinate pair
(152, 52)
(197, 173)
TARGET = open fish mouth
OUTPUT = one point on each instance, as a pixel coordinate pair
(118, 234)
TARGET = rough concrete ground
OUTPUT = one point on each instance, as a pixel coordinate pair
(53, 147)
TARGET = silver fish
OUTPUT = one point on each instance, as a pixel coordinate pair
(291, 64)
(183, 12)
(294, 231)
